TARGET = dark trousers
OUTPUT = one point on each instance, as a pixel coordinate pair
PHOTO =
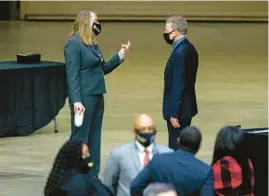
(90, 131)
(174, 133)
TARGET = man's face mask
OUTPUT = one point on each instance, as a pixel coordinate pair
(96, 28)
(146, 138)
(167, 38)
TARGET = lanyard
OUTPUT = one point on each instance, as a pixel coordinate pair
(99, 53)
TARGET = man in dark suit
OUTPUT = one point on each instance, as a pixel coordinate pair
(187, 174)
(179, 99)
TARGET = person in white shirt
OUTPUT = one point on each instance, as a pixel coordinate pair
(126, 161)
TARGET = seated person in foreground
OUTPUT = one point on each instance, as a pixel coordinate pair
(186, 173)
(126, 161)
(71, 173)
(233, 170)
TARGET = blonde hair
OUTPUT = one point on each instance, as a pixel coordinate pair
(83, 26)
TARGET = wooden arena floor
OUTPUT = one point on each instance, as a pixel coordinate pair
(231, 88)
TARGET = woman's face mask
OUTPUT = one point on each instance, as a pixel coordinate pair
(88, 161)
(96, 28)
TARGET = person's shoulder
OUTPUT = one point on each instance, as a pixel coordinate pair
(121, 150)
(163, 149)
(190, 46)
(163, 157)
(78, 176)
(79, 184)
(185, 45)
(203, 166)
(77, 181)
(73, 40)
(182, 50)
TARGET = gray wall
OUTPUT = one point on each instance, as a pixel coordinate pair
(156, 10)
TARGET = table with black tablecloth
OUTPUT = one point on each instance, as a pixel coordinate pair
(31, 96)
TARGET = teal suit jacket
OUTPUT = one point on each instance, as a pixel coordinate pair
(86, 68)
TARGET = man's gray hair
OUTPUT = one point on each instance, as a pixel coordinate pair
(157, 188)
(179, 23)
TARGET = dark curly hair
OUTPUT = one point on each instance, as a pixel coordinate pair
(68, 157)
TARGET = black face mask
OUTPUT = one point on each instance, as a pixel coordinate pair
(88, 161)
(85, 164)
(146, 138)
(96, 28)
(167, 39)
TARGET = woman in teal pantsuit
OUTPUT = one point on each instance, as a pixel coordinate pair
(85, 68)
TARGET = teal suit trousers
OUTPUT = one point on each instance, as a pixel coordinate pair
(90, 131)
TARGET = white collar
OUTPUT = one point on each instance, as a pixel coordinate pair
(141, 148)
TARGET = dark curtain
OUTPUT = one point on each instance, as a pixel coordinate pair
(4, 10)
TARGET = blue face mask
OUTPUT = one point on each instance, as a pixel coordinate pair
(146, 138)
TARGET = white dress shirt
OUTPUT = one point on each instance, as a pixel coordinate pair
(121, 55)
(142, 154)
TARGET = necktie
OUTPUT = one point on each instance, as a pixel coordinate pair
(146, 158)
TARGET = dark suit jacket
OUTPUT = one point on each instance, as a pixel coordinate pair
(187, 174)
(179, 99)
(76, 183)
(85, 69)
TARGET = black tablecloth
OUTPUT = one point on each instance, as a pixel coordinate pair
(31, 96)
(256, 145)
